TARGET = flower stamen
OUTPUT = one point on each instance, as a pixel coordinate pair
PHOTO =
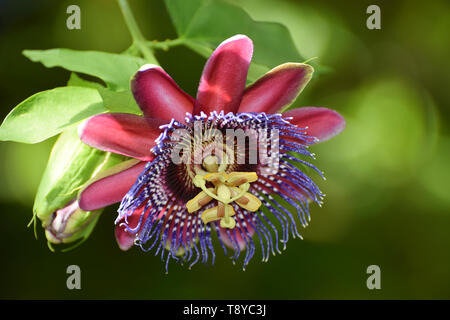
(228, 188)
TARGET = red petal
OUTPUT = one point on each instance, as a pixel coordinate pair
(276, 89)
(321, 123)
(122, 133)
(159, 96)
(125, 239)
(223, 78)
(111, 185)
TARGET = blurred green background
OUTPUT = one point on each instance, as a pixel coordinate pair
(388, 199)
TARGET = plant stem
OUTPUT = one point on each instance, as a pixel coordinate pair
(138, 39)
(166, 44)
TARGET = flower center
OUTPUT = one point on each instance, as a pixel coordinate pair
(226, 189)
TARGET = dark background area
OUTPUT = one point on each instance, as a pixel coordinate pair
(387, 175)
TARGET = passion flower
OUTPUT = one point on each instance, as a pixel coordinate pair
(190, 179)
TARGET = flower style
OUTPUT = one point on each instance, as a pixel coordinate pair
(174, 206)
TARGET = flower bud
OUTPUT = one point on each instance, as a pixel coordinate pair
(70, 166)
(70, 223)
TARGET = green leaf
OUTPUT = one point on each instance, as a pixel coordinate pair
(47, 113)
(115, 70)
(114, 101)
(77, 81)
(204, 24)
(119, 101)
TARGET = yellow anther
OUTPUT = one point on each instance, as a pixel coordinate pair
(228, 188)
(220, 212)
(216, 177)
(247, 201)
(237, 178)
(199, 201)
